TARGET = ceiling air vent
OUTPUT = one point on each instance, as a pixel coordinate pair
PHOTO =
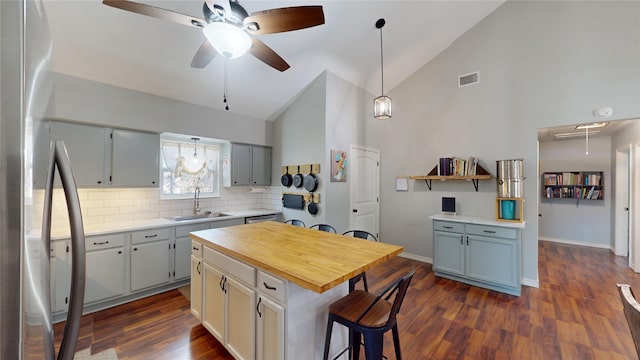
(469, 79)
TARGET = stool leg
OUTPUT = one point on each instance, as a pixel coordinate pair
(396, 342)
(327, 340)
(373, 342)
(356, 340)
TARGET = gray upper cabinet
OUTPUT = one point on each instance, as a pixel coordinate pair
(241, 164)
(86, 147)
(261, 165)
(250, 165)
(100, 157)
(134, 158)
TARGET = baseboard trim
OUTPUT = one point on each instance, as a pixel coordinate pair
(423, 259)
(573, 242)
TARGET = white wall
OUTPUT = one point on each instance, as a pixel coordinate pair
(588, 223)
(298, 138)
(349, 109)
(97, 103)
(541, 64)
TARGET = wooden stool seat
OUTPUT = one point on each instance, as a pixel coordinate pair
(355, 303)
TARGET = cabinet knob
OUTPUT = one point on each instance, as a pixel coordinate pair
(354, 210)
(99, 182)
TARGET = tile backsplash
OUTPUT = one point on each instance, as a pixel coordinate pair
(102, 206)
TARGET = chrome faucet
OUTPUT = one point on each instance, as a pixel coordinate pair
(196, 201)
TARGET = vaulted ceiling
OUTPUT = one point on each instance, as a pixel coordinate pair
(112, 46)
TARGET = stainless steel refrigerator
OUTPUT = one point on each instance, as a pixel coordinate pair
(26, 329)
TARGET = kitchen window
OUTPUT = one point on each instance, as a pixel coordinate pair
(186, 164)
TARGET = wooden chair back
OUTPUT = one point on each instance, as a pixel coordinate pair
(631, 312)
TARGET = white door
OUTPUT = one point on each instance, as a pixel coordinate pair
(365, 189)
(621, 212)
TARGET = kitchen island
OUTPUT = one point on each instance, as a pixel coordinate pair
(265, 288)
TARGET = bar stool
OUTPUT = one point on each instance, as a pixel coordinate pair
(369, 315)
(362, 276)
(324, 227)
(295, 222)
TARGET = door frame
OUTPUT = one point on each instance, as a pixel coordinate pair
(622, 200)
(634, 201)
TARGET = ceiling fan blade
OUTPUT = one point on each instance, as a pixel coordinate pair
(203, 56)
(284, 19)
(216, 5)
(268, 56)
(155, 12)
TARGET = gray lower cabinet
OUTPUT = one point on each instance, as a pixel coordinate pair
(104, 252)
(149, 258)
(182, 255)
(481, 255)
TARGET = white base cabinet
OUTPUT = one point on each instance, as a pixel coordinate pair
(259, 316)
(482, 255)
(269, 330)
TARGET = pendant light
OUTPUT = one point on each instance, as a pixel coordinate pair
(381, 104)
(195, 148)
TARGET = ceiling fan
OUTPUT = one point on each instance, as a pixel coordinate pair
(230, 29)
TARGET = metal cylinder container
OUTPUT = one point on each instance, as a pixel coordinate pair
(509, 178)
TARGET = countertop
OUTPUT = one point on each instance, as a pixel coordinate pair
(312, 259)
(476, 220)
(133, 225)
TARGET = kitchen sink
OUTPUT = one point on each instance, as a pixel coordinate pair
(196, 217)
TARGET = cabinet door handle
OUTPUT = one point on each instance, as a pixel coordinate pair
(461, 241)
(269, 287)
(135, 249)
(489, 231)
(198, 267)
(467, 241)
(101, 242)
(119, 252)
(258, 307)
(448, 227)
(150, 236)
(195, 248)
(221, 285)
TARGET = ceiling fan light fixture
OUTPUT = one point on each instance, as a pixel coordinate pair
(229, 40)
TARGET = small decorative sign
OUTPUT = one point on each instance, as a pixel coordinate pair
(338, 166)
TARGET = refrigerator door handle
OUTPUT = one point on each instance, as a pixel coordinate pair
(60, 158)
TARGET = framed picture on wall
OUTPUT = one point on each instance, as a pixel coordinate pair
(338, 166)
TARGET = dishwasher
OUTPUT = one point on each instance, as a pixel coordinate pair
(255, 219)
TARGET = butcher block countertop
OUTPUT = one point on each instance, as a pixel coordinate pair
(312, 259)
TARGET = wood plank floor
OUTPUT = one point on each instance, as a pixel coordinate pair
(575, 314)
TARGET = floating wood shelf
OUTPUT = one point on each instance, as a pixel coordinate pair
(482, 174)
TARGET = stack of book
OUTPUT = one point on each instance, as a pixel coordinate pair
(455, 166)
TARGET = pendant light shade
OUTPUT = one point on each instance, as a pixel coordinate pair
(381, 104)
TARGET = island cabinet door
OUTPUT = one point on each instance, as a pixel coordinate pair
(213, 301)
(270, 328)
(448, 252)
(241, 319)
(196, 286)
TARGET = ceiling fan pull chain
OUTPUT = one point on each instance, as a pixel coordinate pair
(226, 74)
